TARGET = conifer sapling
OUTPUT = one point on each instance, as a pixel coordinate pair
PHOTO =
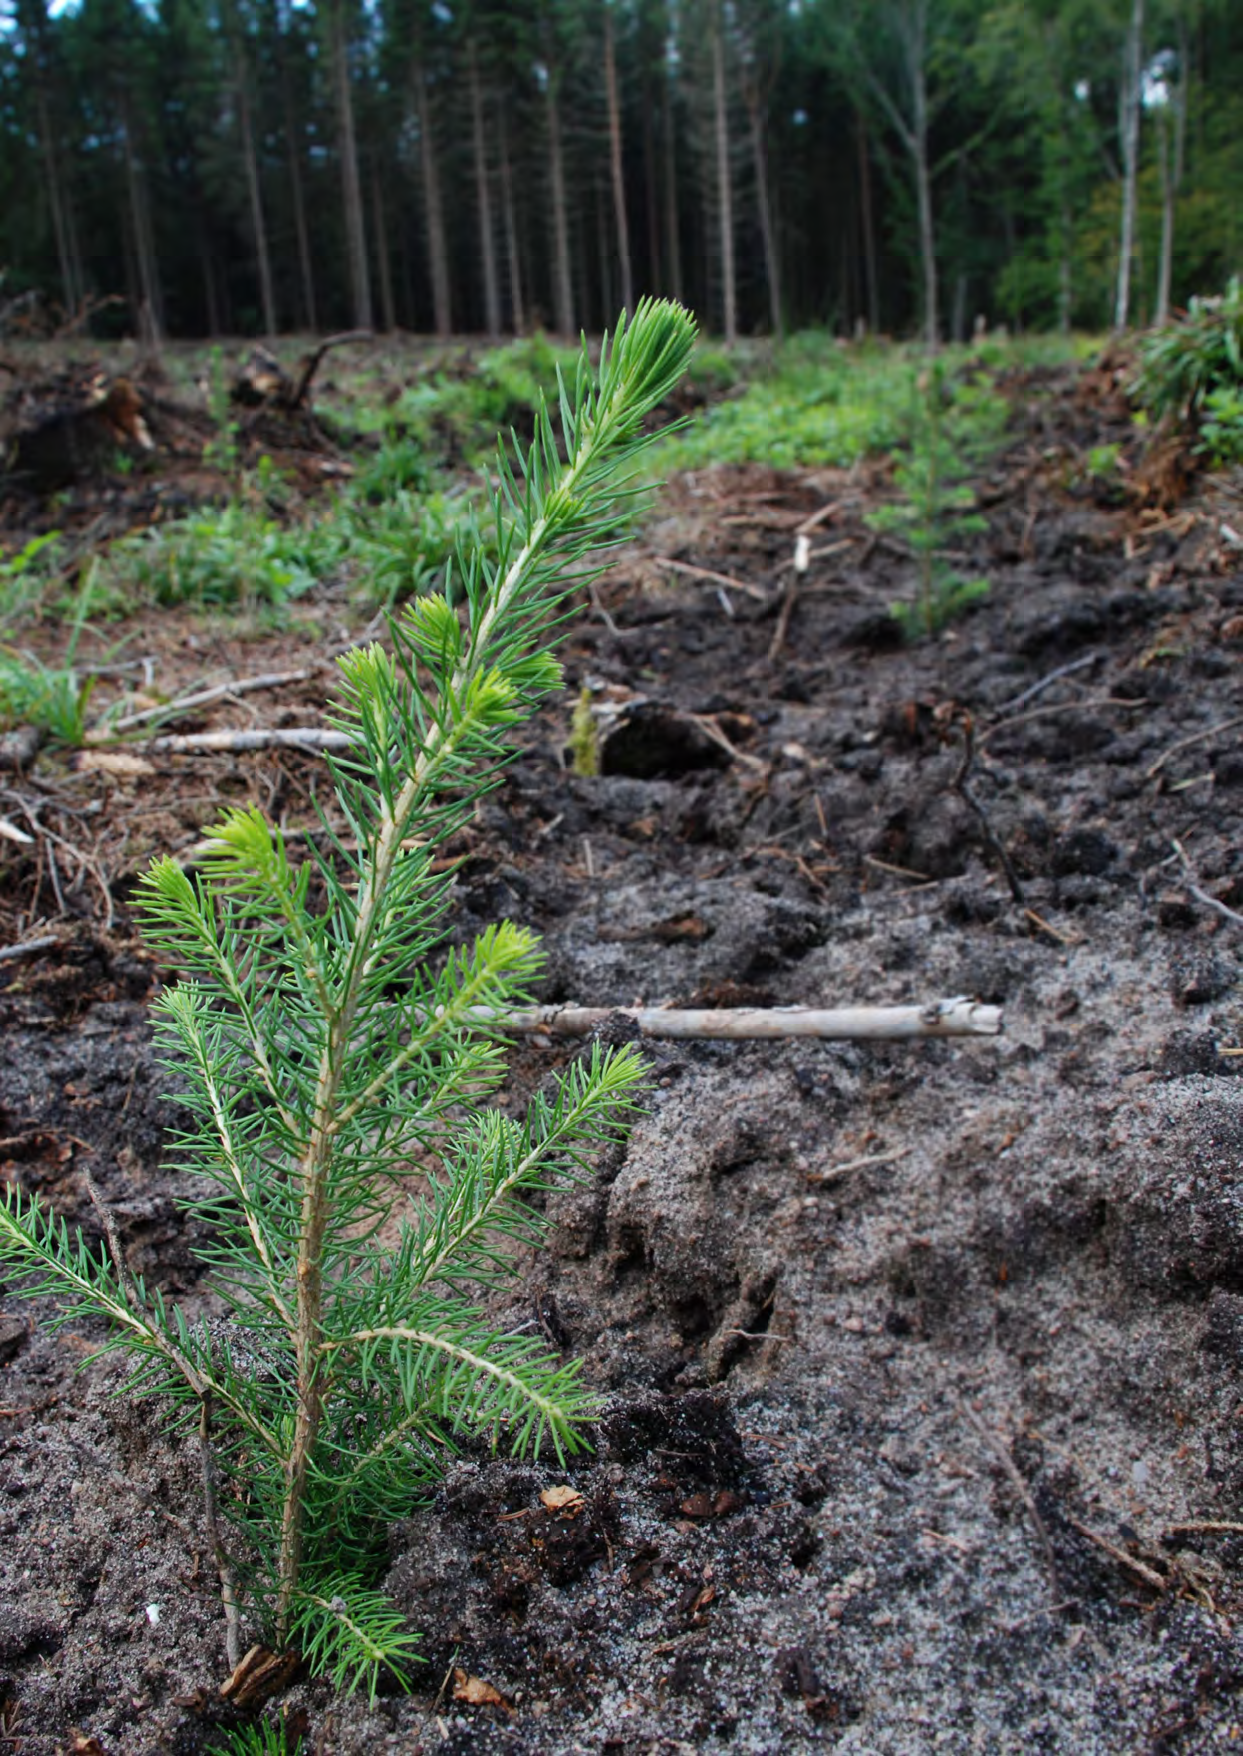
(327, 1053)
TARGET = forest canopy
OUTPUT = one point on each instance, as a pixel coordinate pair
(207, 167)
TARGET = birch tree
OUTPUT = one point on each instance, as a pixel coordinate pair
(1130, 106)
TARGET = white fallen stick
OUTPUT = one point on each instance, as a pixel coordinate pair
(941, 1018)
(291, 738)
(202, 698)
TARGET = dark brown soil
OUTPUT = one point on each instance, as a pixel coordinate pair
(923, 1361)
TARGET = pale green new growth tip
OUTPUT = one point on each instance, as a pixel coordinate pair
(328, 1051)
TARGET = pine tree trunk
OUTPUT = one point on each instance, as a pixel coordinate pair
(615, 162)
(724, 181)
(32, 21)
(151, 303)
(388, 314)
(437, 244)
(1171, 161)
(756, 119)
(292, 146)
(483, 194)
(868, 219)
(258, 225)
(1128, 128)
(673, 238)
(71, 290)
(562, 284)
(604, 255)
(517, 310)
(917, 74)
(351, 185)
(651, 194)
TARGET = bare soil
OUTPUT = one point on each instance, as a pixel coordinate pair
(923, 1361)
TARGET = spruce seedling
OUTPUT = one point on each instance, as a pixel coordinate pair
(936, 506)
(328, 1057)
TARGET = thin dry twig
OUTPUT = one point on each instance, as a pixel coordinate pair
(818, 518)
(1210, 1524)
(1002, 1454)
(1092, 701)
(966, 726)
(713, 578)
(1079, 664)
(28, 948)
(856, 1164)
(709, 725)
(1203, 896)
(1226, 725)
(1140, 1569)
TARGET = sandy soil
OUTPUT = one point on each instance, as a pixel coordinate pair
(924, 1360)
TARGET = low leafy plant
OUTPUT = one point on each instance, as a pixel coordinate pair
(22, 573)
(403, 546)
(54, 698)
(818, 404)
(1182, 365)
(358, 1191)
(953, 426)
(236, 556)
(1221, 430)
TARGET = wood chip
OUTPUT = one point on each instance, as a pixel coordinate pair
(562, 1499)
(110, 762)
(476, 1693)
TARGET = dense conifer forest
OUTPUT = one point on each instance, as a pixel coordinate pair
(205, 167)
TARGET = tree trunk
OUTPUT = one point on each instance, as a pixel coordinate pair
(724, 181)
(437, 244)
(615, 162)
(211, 295)
(673, 239)
(917, 73)
(651, 196)
(351, 185)
(258, 225)
(605, 258)
(388, 314)
(759, 153)
(1171, 162)
(868, 219)
(1128, 129)
(32, 21)
(483, 191)
(517, 309)
(71, 290)
(562, 285)
(151, 303)
(292, 148)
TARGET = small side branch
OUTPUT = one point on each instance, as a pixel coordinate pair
(224, 1567)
